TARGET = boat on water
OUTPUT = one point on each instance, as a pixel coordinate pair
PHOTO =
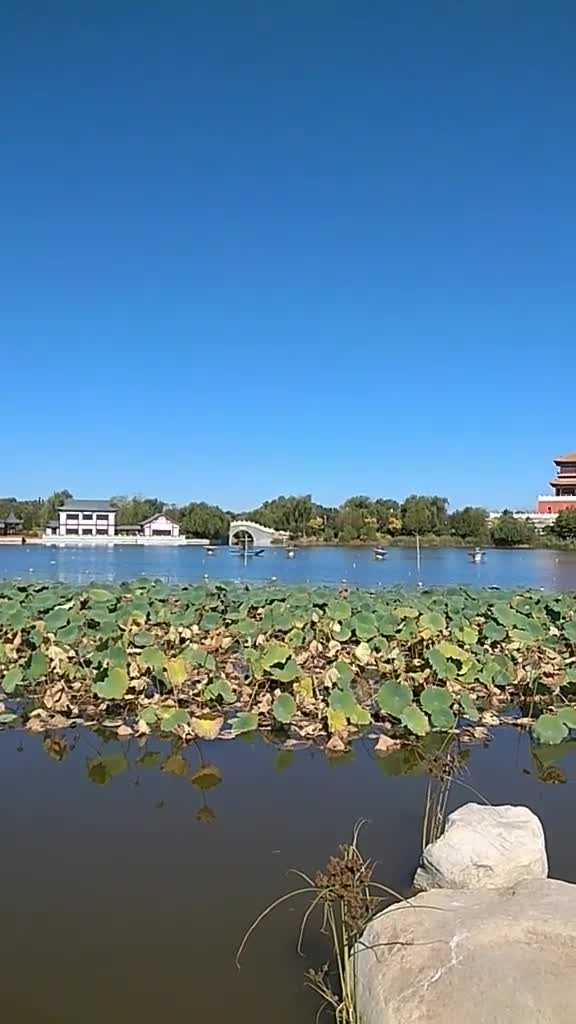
(245, 550)
(210, 550)
(477, 555)
(380, 553)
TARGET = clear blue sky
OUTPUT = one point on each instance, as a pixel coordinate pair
(327, 250)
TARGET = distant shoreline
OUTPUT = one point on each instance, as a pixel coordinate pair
(426, 542)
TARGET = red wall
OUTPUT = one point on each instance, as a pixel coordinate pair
(555, 506)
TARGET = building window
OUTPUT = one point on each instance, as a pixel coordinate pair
(161, 533)
(71, 532)
(72, 516)
(87, 515)
(87, 533)
(102, 533)
(102, 517)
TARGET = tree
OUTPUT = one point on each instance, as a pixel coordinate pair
(387, 513)
(134, 509)
(565, 525)
(292, 513)
(353, 524)
(198, 519)
(30, 512)
(423, 514)
(52, 504)
(470, 523)
(508, 531)
(359, 501)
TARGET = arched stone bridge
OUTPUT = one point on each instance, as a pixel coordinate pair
(259, 536)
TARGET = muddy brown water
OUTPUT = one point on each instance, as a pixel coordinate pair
(125, 890)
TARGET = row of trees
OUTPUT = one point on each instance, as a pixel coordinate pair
(508, 531)
(35, 513)
(359, 519)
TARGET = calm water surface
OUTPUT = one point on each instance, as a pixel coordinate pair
(126, 900)
(553, 570)
(125, 889)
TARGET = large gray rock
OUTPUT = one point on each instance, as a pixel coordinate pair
(484, 848)
(485, 957)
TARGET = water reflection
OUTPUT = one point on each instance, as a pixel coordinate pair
(445, 761)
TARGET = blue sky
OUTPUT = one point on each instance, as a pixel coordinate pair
(330, 250)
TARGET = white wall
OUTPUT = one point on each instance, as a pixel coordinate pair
(87, 523)
(161, 523)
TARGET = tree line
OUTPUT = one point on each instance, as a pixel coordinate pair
(359, 519)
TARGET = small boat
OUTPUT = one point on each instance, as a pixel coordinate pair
(290, 552)
(380, 553)
(209, 549)
(246, 551)
(477, 555)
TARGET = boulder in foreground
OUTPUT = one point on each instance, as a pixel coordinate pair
(484, 957)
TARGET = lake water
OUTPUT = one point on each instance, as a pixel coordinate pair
(552, 570)
(127, 900)
(126, 889)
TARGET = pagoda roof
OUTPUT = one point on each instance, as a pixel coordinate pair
(570, 457)
(564, 481)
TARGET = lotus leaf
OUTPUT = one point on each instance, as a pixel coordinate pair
(284, 708)
(415, 720)
(393, 697)
(114, 686)
(549, 728)
(246, 721)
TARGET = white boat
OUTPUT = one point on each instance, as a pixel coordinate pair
(477, 555)
(380, 553)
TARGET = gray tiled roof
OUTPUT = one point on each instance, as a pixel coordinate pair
(85, 505)
(156, 515)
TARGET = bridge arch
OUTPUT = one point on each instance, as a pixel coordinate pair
(258, 535)
(240, 534)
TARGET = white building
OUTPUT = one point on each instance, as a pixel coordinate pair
(95, 522)
(538, 519)
(84, 519)
(160, 525)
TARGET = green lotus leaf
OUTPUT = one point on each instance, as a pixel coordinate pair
(114, 686)
(550, 729)
(284, 708)
(415, 720)
(392, 697)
